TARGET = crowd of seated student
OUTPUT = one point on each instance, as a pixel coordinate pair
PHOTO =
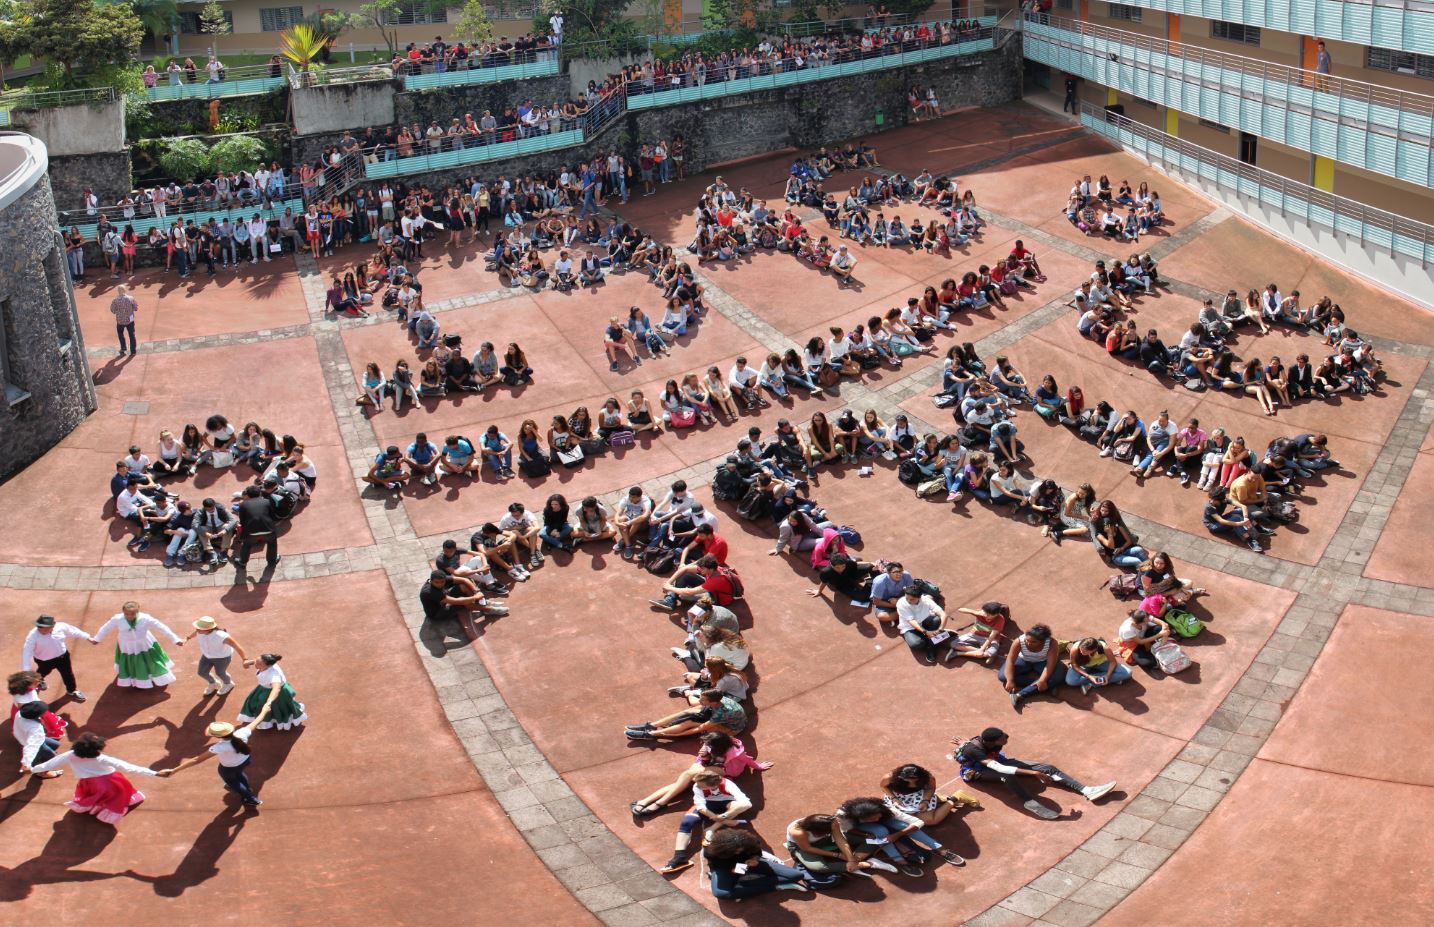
(1094, 208)
(143, 487)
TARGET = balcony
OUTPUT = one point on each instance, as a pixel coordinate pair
(1407, 25)
(1364, 125)
(1392, 250)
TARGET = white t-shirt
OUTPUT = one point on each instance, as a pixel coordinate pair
(909, 616)
(228, 756)
(212, 645)
(524, 522)
(741, 376)
(1129, 632)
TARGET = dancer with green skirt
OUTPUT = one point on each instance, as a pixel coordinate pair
(140, 661)
(273, 695)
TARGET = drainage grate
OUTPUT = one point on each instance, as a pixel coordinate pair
(135, 408)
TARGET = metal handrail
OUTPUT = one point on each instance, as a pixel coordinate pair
(1326, 208)
(201, 74)
(187, 209)
(1342, 87)
(45, 99)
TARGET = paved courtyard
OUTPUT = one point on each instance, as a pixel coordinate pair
(486, 779)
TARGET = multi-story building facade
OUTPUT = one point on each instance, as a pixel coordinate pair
(1337, 94)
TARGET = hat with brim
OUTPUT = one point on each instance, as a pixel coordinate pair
(205, 623)
(219, 729)
(45, 621)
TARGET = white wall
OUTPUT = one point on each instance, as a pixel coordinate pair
(89, 128)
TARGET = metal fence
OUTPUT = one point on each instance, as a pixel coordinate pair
(1375, 227)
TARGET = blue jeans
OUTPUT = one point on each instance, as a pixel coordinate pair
(558, 538)
(121, 330)
(1129, 558)
(889, 826)
(1114, 673)
(503, 461)
(1026, 676)
(761, 878)
(803, 380)
(177, 542)
(1150, 455)
(1241, 531)
(955, 477)
(777, 387)
(236, 778)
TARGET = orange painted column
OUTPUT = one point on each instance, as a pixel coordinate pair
(1172, 34)
(1085, 11)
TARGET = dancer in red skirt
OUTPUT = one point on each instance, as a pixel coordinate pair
(102, 789)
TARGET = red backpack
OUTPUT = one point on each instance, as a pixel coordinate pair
(733, 580)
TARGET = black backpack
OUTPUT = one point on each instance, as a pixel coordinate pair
(756, 503)
(727, 483)
(909, 473)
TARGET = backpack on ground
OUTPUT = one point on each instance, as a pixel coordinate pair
(849, 535)
(909, 473)
(931, 487)
(1122, 585)
(1284, 512)
(658, 560)
(927, 587)
(535, 467)
(1183, 623)
(755, 504)
(727, 483)
(1170, 656)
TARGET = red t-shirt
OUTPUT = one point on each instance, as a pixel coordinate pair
(720, 587)
(715, 546)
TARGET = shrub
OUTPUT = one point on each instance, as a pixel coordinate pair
(185, 159)
(237, 153)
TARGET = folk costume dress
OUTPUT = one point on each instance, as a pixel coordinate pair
(140, 661)
(101, 789)
(287, 711)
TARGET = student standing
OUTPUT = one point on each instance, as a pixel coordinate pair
(102, 789)
(45, 649)
(272, 703)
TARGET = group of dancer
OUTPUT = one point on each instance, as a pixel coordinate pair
(140, 662)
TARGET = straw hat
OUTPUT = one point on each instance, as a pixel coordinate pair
(205, 623)
(219, 729)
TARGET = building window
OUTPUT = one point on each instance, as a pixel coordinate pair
(1235, 32)
(1225, 130)
(189, 23)
(1130, 14)
(1065, 4)
(279, 18)
(419, 12)
(11, 394)
(1400, 62)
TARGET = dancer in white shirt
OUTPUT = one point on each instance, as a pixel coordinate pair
(102, 789)
(140, 661)
(45, 649)
(232, 749)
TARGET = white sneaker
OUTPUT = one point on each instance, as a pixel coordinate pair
(210, 689)
(226, 688)
(1097, 792)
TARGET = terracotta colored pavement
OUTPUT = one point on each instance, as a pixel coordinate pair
(274, 383)
(838, 700)
(816, 663)
(360, 805)
(1318, 760)
(249, 298)
(1401, 554)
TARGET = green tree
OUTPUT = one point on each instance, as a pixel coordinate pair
(473, 23)
(237, 153)
(592, 28)
(384, 16)
(213, 20)
(159, 17)
(185, 159)
(80, 35)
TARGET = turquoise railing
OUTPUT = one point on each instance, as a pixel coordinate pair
(1376, 128)
(977, 42)
(1375, 227)
(1407, 25)
(476, 154)
(142, 224)
(203, 90)
(464, 77)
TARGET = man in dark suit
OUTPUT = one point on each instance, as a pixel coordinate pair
(257, 520)
(1070, 100)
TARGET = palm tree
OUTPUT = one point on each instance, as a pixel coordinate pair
(301, 43)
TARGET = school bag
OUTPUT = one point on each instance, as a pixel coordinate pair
(1170, 656)
(1183, 623)
(1122, 585)
(755, 504)
(849, 535)
(731, 576)
(931, 487)
(909, 473)
(727, 483)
